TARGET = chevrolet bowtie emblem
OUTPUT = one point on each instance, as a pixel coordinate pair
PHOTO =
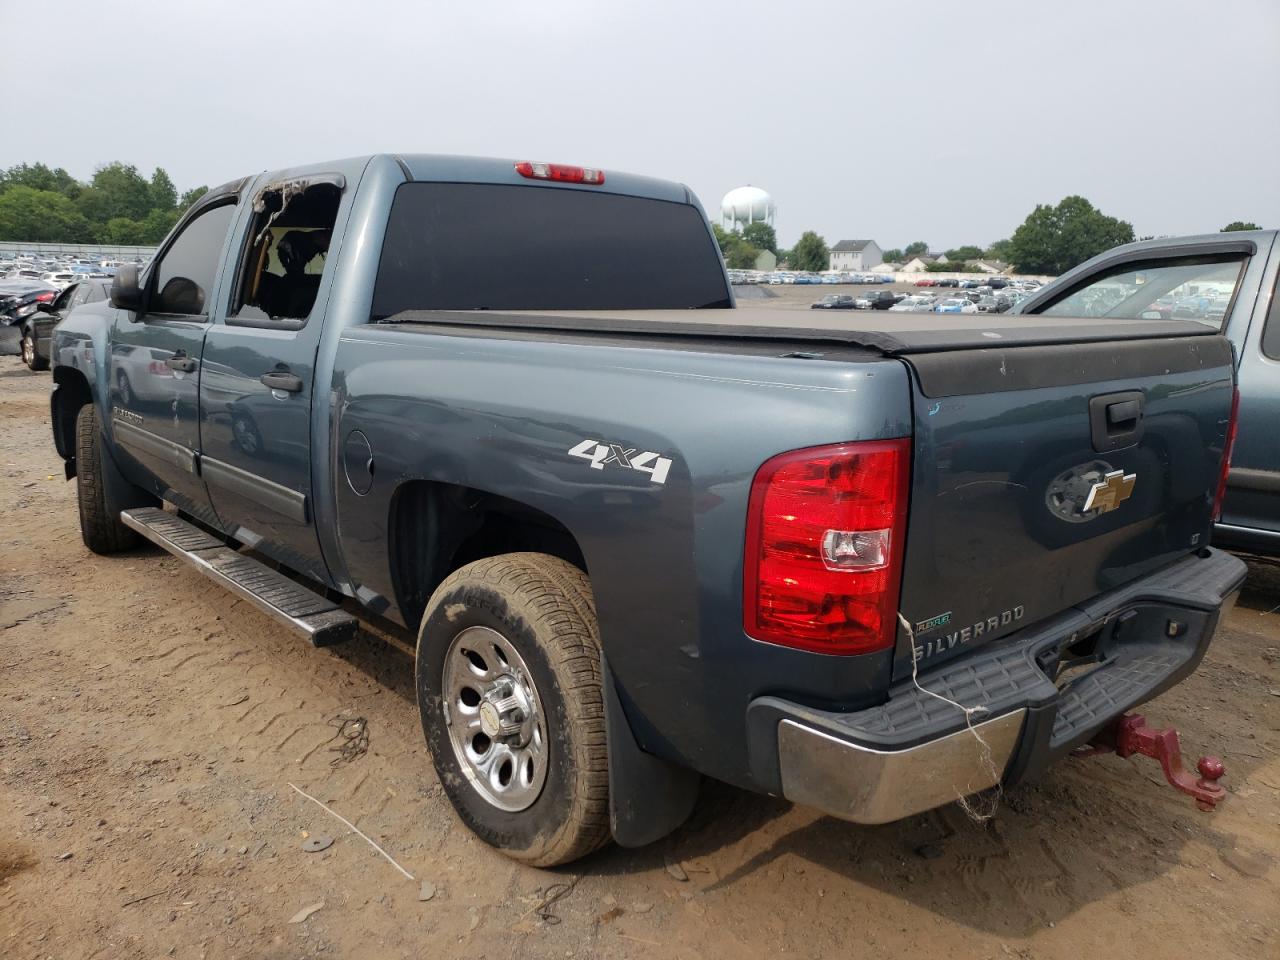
(1113, 490)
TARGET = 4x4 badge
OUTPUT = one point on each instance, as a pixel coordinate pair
(1114, 489)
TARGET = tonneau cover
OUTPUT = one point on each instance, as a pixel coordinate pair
(894, 334)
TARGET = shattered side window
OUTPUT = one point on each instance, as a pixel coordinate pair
(288, 246)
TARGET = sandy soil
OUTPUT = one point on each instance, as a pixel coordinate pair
(151, 726)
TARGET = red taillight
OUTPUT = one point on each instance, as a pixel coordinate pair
(46, 296)
(1225, 468)
(825, 532)
(559, 171)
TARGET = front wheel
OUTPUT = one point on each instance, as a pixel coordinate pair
(509, 691)
(98, 490)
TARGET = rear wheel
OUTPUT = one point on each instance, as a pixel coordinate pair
(30, 356)
(509, 690)
(97, 489)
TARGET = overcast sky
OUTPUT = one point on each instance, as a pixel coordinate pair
(939, 121)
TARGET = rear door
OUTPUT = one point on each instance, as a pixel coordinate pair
(1045, 475)
(260, 360)
(154, 364)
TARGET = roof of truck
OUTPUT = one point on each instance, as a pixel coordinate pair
(460, 169)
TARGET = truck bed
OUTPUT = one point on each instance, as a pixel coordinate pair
(889, 334)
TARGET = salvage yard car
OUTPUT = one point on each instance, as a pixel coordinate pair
(1228, 282)
(870, 562)
(37, 329)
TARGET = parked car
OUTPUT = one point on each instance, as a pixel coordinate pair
(833, 301)
(618, 588)
(1220, 281)
(990, 304)
(37, 329)
(877, 300)
(955, 305)
(926, 282)
(19, 299)
(948, 282)
(914, 304)
(59, 281)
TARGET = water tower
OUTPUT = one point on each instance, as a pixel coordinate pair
(747, 205)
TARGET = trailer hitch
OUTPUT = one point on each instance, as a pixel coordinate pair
(1130, 734)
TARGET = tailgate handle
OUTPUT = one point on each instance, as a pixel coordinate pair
(1124, 412)
(1115, 419)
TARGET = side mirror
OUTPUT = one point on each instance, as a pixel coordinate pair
(126, 293)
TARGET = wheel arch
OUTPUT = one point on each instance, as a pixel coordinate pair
(71, 392)
(436, 527)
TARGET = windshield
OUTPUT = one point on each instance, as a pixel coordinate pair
(470, 246)
(1197, 288)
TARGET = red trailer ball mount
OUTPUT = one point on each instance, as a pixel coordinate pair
(1130, 734)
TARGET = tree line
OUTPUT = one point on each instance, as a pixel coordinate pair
(1052, 240)
(39, 204)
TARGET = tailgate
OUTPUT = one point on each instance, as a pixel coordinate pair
(1010, 447)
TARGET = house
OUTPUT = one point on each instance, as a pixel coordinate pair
(920, 264)
(991, 266)
(854, 256)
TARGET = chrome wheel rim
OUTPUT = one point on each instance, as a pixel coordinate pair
(28, 352)
(495, 720)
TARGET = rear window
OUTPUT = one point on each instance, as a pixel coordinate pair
(461, 246)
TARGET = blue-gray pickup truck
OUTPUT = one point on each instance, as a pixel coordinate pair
(869, 562)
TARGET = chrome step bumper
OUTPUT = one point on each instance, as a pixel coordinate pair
(857, 783)
(914, 751)
(318, 619)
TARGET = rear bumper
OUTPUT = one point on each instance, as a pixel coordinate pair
(1042, 692)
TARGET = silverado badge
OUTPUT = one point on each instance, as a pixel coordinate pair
(1113, 490)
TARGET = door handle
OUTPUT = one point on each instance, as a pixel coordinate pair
(181, 362)
(282, 380)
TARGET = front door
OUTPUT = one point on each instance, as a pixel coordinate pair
(259, 368)
(154, 365)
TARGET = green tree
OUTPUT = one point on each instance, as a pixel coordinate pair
(810, 253)
(893, 256)
(738, 253)
(1235, 225)
(195, 193)
(163, 194)
(41, 216)
(156, 226)
(121, 230)
(741, 255)
(37, 176)
(117, 190)
(998, 251)
(915, 249)
(761, 236)
(1052, 240)
(965, 253)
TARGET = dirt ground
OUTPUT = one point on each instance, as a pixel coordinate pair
(151, 727)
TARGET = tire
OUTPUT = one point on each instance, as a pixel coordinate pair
(30, 356)
(97, 481)
(530, 619)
